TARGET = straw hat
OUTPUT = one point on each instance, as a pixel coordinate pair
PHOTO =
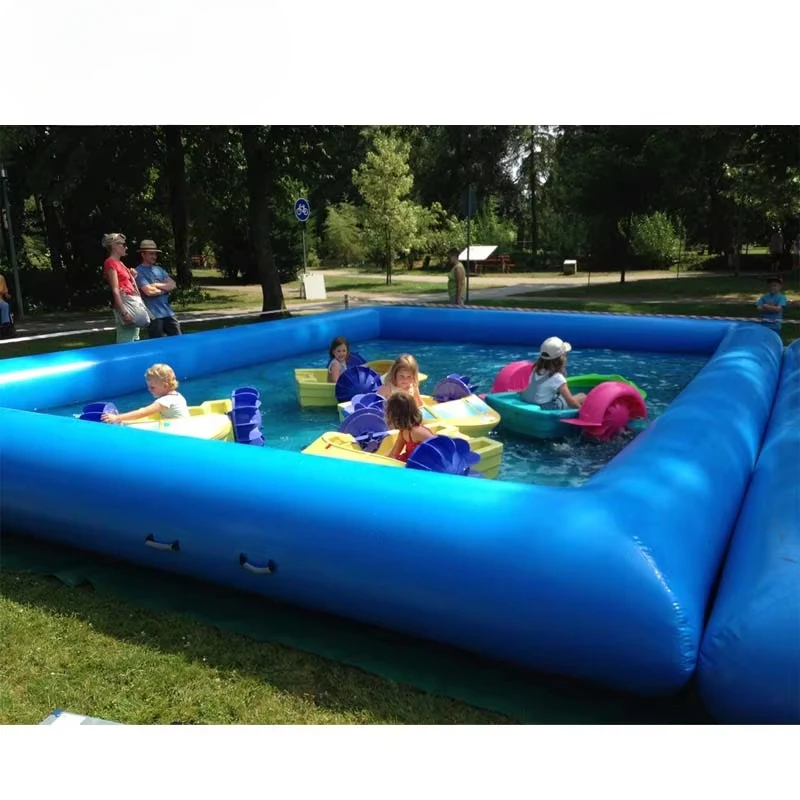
(148, 245)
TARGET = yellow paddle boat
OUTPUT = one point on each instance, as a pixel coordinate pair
(315, 391)
(343, 445)
(470, 415)
(453, 401)
(209, 420)
(199, 426)
(235, 419)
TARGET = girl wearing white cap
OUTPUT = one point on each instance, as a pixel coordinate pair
(548, 386)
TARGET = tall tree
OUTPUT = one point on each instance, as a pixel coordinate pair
(179, 211)
(384, 181)
(260, 179)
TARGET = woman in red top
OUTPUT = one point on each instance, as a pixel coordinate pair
(121, 281)
(403, 414)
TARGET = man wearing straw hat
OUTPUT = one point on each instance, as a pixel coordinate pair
(155, 285)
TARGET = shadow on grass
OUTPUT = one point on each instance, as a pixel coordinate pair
(122, 600)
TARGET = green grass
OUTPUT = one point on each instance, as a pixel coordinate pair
(377, 285)
(684, 309)
(745, 288)
(88, 652)
(12, 349)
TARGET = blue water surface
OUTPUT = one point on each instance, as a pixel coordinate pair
(568, 462)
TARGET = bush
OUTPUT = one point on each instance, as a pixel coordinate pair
(655, 239)
(193, 296)
(46, 291)
(488, 227)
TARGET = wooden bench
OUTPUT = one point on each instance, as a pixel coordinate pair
(501, 263)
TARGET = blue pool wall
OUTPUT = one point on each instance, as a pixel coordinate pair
(749, 668)
(608, 581)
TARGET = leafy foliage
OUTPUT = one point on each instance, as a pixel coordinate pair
(391, 222)
(655, 239)
(383, 192)
(343, 237)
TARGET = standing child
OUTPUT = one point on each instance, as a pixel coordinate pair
(403, 414)
(548, 386)
(339, 352)
(403, 376)
(771, 305)
(169, 403)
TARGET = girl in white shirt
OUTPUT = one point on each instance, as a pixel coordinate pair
(548, 385)
(169, 403)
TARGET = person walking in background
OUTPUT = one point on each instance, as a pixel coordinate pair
(776, 249)
(456, 279)
(155, 285)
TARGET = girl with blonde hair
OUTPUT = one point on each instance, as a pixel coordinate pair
(403, 376)
(169, 402)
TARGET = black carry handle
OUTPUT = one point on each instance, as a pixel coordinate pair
(267, 569)
(151, 542)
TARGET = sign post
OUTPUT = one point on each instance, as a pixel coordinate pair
(302, 212)
(312, 284)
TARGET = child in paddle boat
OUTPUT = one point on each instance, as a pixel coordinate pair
(403, 376)
(548, 385)
(403, 414)
(339, 352)
(169, 402)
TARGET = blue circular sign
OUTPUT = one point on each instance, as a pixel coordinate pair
(301, 209)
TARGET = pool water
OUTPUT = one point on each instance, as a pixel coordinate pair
(568, 462)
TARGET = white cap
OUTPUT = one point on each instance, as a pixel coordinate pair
(553, 348)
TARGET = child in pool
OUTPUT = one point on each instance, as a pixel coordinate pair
(169, 403)
(403, 376)
(339, 352)
(548, 386)
(403, 414)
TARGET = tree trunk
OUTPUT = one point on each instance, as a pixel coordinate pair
(259, 215)
(176, 178)
(52, 229)
(388, 259)
(534, 221)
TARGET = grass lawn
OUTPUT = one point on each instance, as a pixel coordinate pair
(90, 653)
(12, 349)
(744, 289)
(687, 309)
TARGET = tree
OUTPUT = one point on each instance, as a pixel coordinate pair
(343, 237)
(384, 181)
(260, 178)
(179, 212)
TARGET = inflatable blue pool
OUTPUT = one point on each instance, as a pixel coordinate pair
(608, 581)
(749, 670)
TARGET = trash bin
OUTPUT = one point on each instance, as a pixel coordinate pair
(570, 267)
